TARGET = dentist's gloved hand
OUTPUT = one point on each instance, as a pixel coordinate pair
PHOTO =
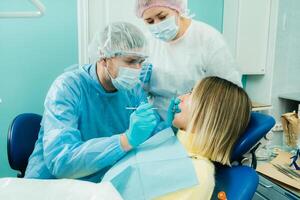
(146, 72)
(142, 123)
(172, 110)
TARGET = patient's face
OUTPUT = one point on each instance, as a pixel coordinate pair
(181, 119)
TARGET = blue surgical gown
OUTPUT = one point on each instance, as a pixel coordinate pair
(81, 126)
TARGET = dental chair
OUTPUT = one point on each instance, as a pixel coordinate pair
(22, 135)
(238, 182)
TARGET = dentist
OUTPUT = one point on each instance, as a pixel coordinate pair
(86, 127)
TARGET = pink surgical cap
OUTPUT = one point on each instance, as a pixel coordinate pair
(143, 5)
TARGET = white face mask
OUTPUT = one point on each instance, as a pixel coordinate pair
(165, 30)
(126, 79)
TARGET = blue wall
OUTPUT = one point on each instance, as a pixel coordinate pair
(33, 52)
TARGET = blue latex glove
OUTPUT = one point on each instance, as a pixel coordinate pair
(142, 123)
(146, 72)
(173, 108)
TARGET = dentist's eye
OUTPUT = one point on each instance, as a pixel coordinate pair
(131, 62)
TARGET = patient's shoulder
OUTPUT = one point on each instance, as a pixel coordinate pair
(204, 169)
(202, 164)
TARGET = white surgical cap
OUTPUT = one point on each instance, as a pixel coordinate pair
(118, 39)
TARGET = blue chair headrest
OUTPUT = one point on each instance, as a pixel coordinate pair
(258, 127)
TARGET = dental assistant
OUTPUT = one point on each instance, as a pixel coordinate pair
(182, 51)
(86, 127)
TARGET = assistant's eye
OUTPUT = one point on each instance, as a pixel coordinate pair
(162, 17)
(149, 21)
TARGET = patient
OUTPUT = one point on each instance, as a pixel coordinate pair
(211, 118)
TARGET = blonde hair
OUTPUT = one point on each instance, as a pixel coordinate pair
(220, 113)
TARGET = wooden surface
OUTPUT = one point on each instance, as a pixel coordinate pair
(269, 170)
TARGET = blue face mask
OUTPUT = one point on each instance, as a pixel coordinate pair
(165, 30)
(127, 78)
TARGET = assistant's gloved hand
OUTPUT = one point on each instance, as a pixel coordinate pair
(173, 108)
(142, 123)
(146, 72)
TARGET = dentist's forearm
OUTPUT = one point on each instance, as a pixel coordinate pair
(124, 143)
